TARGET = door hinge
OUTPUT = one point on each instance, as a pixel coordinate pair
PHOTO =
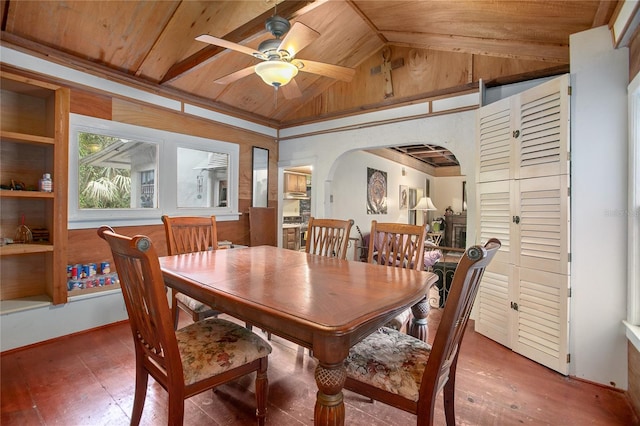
(568, 358)
(569, 257)
(569, 90)
(569, 292)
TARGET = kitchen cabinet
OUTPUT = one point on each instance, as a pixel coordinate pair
(34, 135)
(523, 200)
(291, 238)
(294, 182)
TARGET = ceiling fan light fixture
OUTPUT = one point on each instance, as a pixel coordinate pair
(276, 73)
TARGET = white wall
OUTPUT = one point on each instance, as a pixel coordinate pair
(26, 327)
(350, 189)
(598, 191)
(447, 192)
(327, 152)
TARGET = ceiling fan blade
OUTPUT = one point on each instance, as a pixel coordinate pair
(326, 70)
(291, 90)
(299, 37)
(206, 38)
(230, 78)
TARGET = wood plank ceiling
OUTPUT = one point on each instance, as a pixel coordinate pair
(438, 47)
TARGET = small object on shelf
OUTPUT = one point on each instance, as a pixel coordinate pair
(46, 184)
(17, 185)
(23, 234)
(40, 234)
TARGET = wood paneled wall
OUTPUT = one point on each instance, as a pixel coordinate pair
(84, 244)
(425, 74)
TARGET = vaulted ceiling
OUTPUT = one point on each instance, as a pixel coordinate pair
(433, 47)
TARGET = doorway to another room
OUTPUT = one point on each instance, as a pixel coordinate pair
(296, 207)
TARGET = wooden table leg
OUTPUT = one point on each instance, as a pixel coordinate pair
(418, 327)
(329, 410)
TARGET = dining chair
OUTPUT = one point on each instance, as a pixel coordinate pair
(186, 362)
(189, 234)
(406, 372)
(328, 237)
(399, 245)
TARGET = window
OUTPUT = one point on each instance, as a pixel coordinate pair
(209, 172)
(109, 175)
(116, 171)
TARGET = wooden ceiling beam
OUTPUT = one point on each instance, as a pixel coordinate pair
(514, 49)
(287, 9)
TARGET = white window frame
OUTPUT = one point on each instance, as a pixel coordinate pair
(633, 273)
(633, 315)
(168, 144)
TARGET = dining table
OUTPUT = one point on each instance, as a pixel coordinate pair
(323, 303)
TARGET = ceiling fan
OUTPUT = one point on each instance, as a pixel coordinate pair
(280, 65)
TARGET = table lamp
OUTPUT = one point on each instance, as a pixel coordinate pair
(425, 204)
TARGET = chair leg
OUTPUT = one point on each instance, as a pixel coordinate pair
(176, 408)
(142, 378)
(175, 310)
(262, 391)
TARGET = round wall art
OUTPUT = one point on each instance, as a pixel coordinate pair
(376, 191)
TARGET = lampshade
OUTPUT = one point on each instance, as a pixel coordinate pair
(425, 203)
(276, 73)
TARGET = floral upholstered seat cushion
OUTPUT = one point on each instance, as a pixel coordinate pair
(391, 361)
(193, 304)
(213, 346)
(400, 320)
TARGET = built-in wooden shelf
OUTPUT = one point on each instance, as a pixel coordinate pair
(8, 193)
(26, 138)
(34, 140)
(18, 249)
(24, 303)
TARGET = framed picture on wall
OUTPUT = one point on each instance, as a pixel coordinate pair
(413, 200)
(376, 191)
(403, 201)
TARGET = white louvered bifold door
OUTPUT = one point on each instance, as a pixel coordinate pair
(523, 298)
(543, 228)
(542, 306)
(543, 127)
(493, 300)
(494, 130)
(493, 314)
